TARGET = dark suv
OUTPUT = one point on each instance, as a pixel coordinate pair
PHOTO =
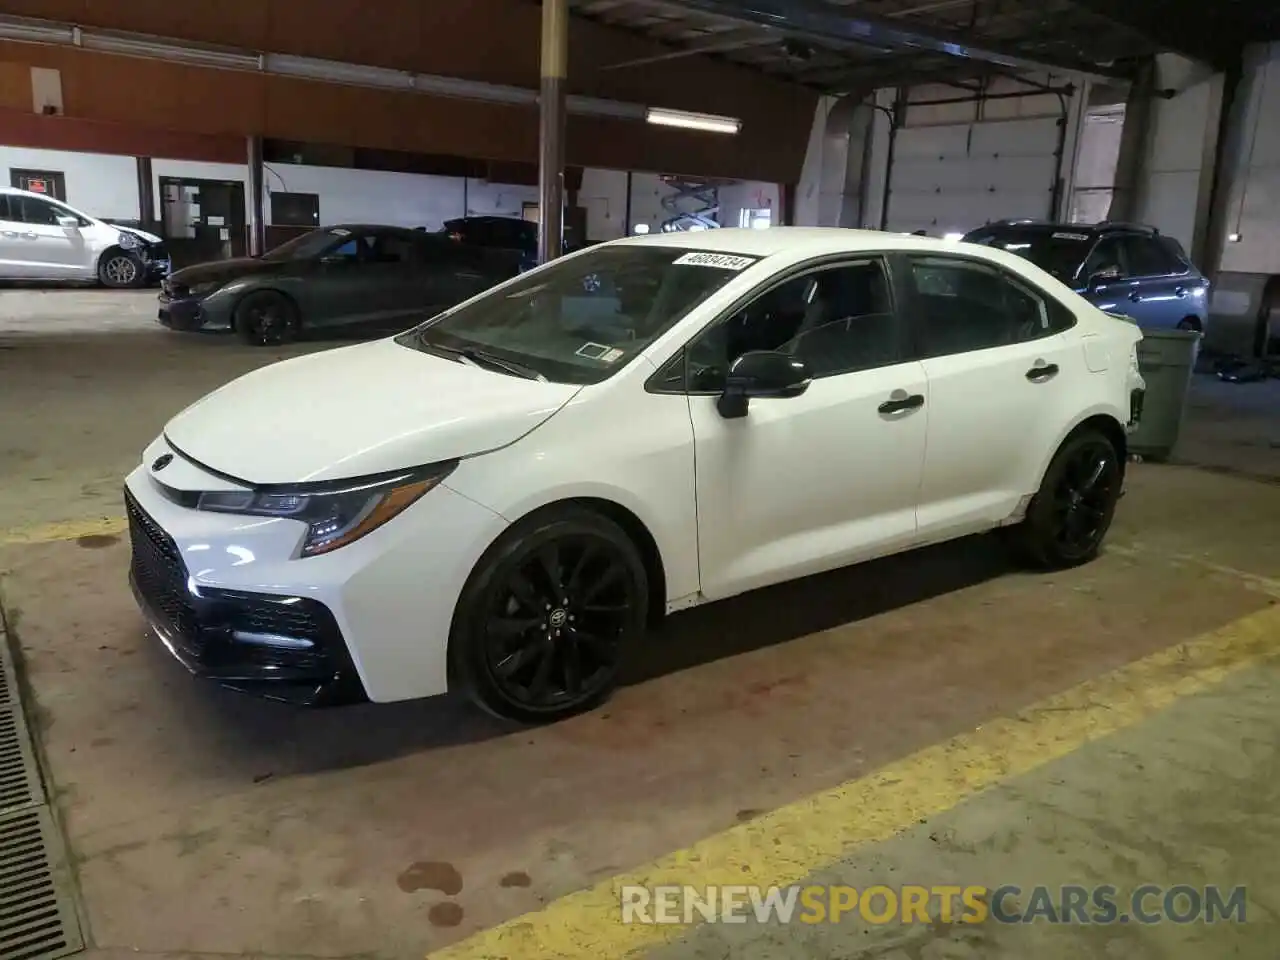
(1119, 267)
(504, 233)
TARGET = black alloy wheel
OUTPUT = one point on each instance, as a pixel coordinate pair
(548, 616)
(1070, 515)
(266, 319)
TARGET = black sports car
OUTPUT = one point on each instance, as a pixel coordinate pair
(336, 277)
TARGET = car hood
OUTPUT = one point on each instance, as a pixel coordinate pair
(140, 234)
(357, 411)
(222, 270)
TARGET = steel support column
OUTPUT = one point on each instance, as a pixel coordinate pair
(551, 116)
(257, 222)
(146, 193)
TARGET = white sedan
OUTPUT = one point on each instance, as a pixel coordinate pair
(502, 499)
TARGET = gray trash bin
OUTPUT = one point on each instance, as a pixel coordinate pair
(1166, 359)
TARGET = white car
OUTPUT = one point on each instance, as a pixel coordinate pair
(503, 498)
(44, 239)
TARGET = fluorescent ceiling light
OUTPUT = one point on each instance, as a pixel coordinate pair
(953, 236)
(35, 31)
(706, 122)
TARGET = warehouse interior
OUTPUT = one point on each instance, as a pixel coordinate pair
(934, 720)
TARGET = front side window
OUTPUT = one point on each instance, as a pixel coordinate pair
(837, 320)
(581, 318)
(1107, 258)
(39, 212)
(958, 306)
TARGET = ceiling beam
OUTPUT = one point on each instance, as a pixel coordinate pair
(1203, 36)
(824, 23)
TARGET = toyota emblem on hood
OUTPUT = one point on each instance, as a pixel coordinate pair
(162, 461)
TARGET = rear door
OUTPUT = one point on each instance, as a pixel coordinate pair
(1162, 294)
(1002, 379)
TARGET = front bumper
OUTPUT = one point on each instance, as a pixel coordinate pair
(281, 647)
(190, 314)
(379, 609)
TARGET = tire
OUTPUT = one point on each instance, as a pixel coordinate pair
(1069, 516)
(120, 269)
(1189, 323)
(521, 658)
(266, 318)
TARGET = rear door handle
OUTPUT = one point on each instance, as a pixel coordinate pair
(900, 401)
(1042, 372)
(1179, 291)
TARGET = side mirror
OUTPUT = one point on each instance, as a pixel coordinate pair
(68, 222)
(1101, 278)
(762, 374)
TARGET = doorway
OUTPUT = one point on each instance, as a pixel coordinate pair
(202, 219)
(51, 183)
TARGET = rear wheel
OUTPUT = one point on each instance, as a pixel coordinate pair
(119, 268)
(266, 318)
(547, 616)
(1070, 514)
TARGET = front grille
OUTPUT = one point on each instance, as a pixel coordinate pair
(159, 572)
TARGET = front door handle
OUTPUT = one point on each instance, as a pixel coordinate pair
(900, 401)
(1179, 292)
(1042, 372)
(11, 233)
(1135, 296)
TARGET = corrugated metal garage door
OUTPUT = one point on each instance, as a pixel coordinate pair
(949, 178)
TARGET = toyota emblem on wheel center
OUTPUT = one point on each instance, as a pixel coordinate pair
(162, 461)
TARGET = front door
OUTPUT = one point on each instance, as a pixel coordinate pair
(52, 250)
(830, 477)
(1002, 379)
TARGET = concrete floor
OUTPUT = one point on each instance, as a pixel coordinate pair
(203, 822)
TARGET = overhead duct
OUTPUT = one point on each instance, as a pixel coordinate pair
(147, 47)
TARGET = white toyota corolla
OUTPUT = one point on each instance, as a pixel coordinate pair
(501, 499)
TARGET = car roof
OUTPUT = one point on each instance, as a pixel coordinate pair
(29, 193)
(799, 241)
(1104, 226)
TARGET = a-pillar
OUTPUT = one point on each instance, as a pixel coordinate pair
(551, 115)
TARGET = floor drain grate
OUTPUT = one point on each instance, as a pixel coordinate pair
(20, 784)
(37, 918)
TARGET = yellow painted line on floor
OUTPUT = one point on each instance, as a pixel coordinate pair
(798, 840)
(64, 530)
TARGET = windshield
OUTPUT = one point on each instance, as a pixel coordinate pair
(308, 246)
(582, 318)
(1057, 252)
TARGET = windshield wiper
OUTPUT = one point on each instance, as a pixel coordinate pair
(482, 359)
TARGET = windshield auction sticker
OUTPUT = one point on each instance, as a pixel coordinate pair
(1070, 236)
(724, 261)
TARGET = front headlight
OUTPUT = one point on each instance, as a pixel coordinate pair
(335, 513)
(128, 241)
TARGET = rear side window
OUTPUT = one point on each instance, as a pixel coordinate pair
(1175, 252)
(958, 306)
(1148, 257)
(4, 208)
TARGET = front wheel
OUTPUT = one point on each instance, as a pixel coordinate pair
(1070, 514)
(266, 318)
(120, 269)
(547, 616)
